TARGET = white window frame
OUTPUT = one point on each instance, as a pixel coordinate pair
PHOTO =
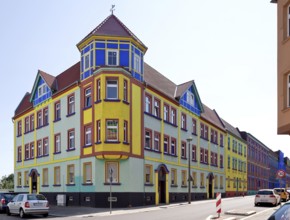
(57, 143)
(88, 136)
(112, 86)
(86, 56)
(190, 98)
(117, 57)
(71, 138)
(137, 63)
(112, 126)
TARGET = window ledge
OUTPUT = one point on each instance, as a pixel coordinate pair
(184, 129)
(112, 142)
(56, 120)
(174, 185)
(126, 102)
(148, 184)
(112, 100)
(57, 153)
(44, 185)
(98, 101)
(126, 143)
(87, 184)
(57, 185)
(150, 114)
(194, 133)
(168, 154)
(87, 107)
(169, 123)
(87, 145)
(152, 150)
(19, 187)
(72, 149)
(71, 114)
(70, 184)
(113, 184)
(98, 142)
(184, 186)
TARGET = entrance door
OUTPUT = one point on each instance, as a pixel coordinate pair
(34, 182)
(161, 185)
(210, 178)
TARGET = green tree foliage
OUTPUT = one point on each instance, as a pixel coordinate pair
(7, 182)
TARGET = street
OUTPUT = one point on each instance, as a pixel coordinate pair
(200, 210)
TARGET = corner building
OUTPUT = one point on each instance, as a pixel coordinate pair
(111, 119)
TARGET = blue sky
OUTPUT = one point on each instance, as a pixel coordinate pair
(229, 48)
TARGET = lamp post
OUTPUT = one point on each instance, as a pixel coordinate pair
(189, 139)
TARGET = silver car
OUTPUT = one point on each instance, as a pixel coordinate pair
(26, 204)
(267, 196)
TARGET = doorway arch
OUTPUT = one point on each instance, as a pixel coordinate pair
(33, 183)
(162, 172)
(210, 178)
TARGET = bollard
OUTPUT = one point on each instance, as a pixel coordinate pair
(218, 203)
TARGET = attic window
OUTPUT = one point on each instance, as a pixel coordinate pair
(190, 98)
(86, 61)
(41, 90)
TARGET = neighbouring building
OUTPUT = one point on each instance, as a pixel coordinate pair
(257, 162)
(283, 65)
(113, 120)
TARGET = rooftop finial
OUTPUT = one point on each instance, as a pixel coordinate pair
(112, 9)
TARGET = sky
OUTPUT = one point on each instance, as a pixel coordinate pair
(228, 47)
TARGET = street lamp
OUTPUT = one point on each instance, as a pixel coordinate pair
(189, 139)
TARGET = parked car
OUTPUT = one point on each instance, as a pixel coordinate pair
(267, 196)
(26, 204)
(282, 213)
(5, 198)
(283, 194)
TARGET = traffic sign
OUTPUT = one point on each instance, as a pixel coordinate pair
(280, 173)
(112, 199)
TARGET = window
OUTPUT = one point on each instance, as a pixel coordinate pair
(288, 22)
(98, 90)
(194, 182)
(183, 178)
(26, 128)
(206, 132)
(229, 143)
(98, 131)
(190, 98)
(71, 104)
(125, 92)
(165, 144)
(173, 146)
(57, 143)
(87, 172)
(39, 148)
(213, 158)
(125, 131)
(45, 146)
(70, 174)
(148, 139)
(157, 108)
(213, 136)
(215, 181)
(27, 151)
(203, 131)
(221, 182)
(112, 172)
(156, 141)
(41, 90)
(88, 135)
(112, 89)
(26, 178)
(173, 177)
(32, 150)
(86, 61)
(166, 112)
(206, 156)
(88, 98)
(202, 180)
(148, 174)
(31, 122)
(173, 116)
(229, 162)
(112, 130)
(39, 119)
(228, 181)
(112, 58)
(56, 175)
(45, 116)
(193, 152)
(45, 177)
(221, 140)
(19, 179)
(183, 121)
(221, 161)
(57, 111)
(19, 128)
(71, 139)
(183, 149)
(201, 155)
(193, 126)
(137, 63)
(148, 104)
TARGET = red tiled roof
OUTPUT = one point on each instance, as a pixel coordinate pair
(60, 82)
(112, 26)
(211, 116)
(231, 129)
(155, 79)
(182, 87)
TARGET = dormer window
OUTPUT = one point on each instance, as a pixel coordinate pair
(41, 90)
(112, 58)
(190, 98)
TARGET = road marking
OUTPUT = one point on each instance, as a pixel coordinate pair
(266, 210)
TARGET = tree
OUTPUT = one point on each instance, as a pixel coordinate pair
(7, 182)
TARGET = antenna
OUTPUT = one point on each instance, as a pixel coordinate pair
(112, 9)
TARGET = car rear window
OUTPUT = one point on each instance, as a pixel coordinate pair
(265, 193)
(8, 197)
(35, 197)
